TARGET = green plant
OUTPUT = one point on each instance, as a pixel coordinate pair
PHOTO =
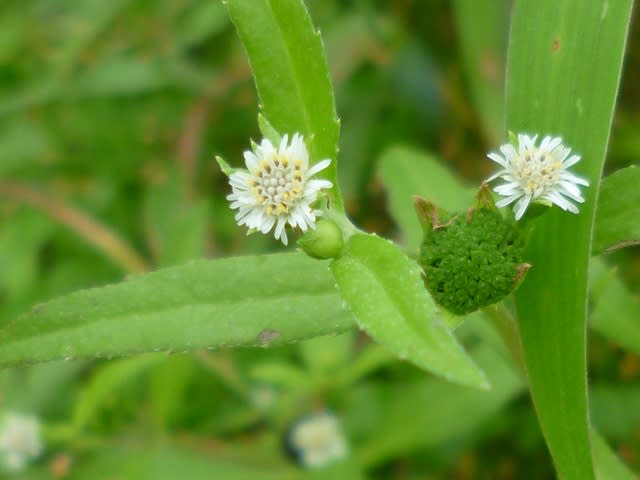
(355, 278)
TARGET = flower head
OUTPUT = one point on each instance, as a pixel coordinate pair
(277, 189)
(318, 440)
(539, 174)
(19, 440)
(471, 259)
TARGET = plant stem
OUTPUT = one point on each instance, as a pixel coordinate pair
(92, 231)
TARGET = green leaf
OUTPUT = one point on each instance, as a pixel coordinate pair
(122, 75)
(614, 410)
(23, 143)
(199, 23)
(19, 252)
(176, 227)
(608, 465)
(407, 172)
(482, 28)
(551, 89)
(343, 469)
(383, 288)
(372, 358)
(281, 374)
(616, 311)
(323, 355)
(428, 413)
(169, 385)
(289, 66)
(169, 463)
(106, 382)
(41, 389)
(244, 301)
(618, 213)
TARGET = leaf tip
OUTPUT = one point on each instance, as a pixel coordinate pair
(224, 166)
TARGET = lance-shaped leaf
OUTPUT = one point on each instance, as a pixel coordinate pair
(608, 465)
(563, 72)
(288, 63)
(169, 462)
(406, 424)
(243, 301)
(618, 213)
(383, 288)
(482, 30)
(616, 310)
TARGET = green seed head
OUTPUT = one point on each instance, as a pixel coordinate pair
(470, 260)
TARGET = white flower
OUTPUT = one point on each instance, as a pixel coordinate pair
(318, 440)
(20, 440)
(277, 188)
(537, 174)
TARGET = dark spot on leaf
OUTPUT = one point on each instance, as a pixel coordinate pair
(265, 337)
(555, 46)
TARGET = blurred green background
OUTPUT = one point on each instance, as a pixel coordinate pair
(111, 113)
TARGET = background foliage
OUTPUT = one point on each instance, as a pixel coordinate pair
(110, 115)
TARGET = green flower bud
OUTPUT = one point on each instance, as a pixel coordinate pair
(325, 241)
(470, 260)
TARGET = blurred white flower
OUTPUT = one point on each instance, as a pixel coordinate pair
(318, 440)
(20, 440)
(277, 189)
(538, 174)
